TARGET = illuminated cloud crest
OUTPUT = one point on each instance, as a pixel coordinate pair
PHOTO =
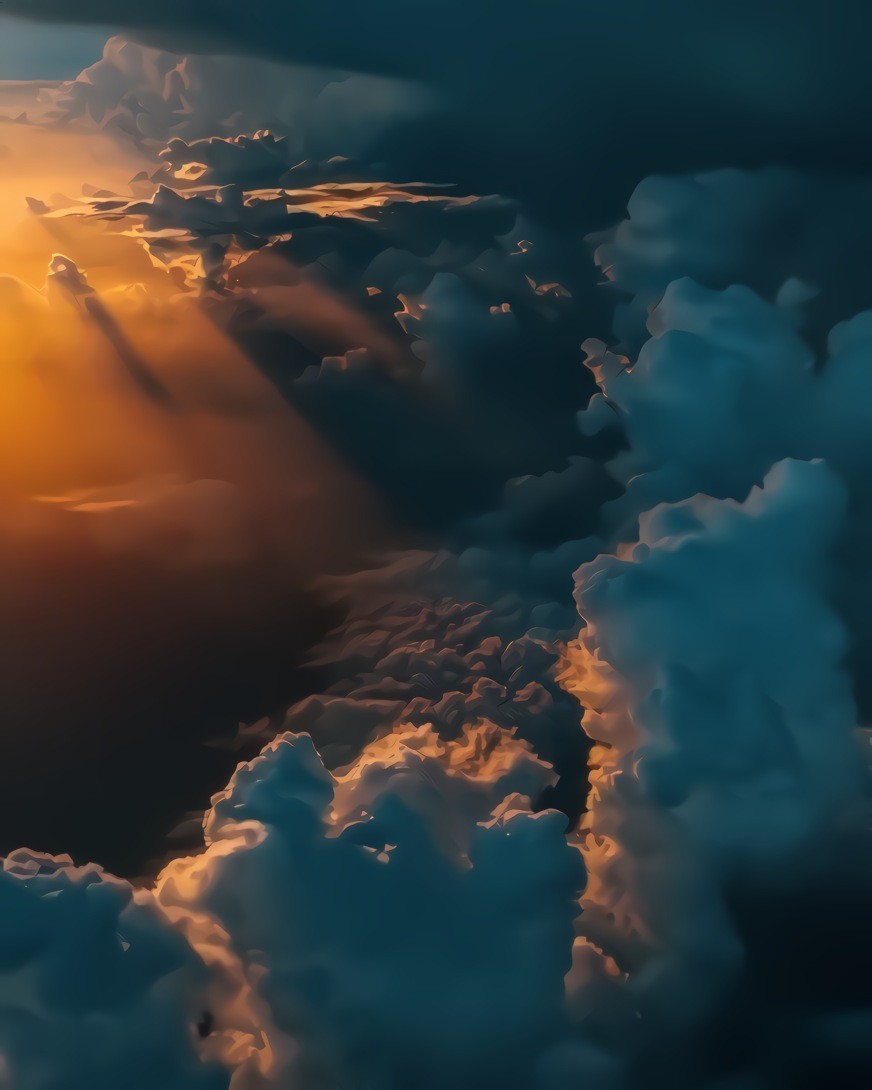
(410, 652)
(358, 901)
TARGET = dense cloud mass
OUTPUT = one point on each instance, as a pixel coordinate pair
(364, 906)
(777, 380)
(149, 95)
(798, 239)
(561, 779)
(98, 991)
(566, 97)
(724, 774)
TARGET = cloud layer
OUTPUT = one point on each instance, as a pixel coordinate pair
(570, 97)
(509, 837)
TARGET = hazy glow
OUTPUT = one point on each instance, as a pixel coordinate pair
(216, 497)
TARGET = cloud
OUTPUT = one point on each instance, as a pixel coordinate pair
(153, 549)
(724, 762)
(427, 640)
(328, 259)
(797, 239)
(357, 906)
(725, 386)
(148, 95)
(744, 78)
(97, 989)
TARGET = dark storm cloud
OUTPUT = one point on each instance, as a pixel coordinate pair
(573, 100)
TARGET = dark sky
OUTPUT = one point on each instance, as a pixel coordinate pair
(29, 51)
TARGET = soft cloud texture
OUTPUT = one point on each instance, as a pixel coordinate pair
(358, 907)
(97, 990)
(775, 379)
(724, 773)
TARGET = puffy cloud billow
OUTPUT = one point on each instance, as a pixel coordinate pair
(509, 835)
(97, 989)
(377, 908)
(729, 380)
(727, 789)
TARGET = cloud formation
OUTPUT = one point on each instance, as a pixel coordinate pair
(416, 294)
(724, 776)
(774, 379)
(97, 990)
(358, 907)
(510, 841)
(741, 78)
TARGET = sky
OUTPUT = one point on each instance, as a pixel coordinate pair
(435, 525)
(34, 52)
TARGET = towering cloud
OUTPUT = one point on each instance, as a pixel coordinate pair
(360, 901)
(730, 381)
(724, 774)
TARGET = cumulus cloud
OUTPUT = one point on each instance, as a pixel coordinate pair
(411, 649)
(725, 386)
(358, 907)
(724, 774)
(797, 239)
(97, 989)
